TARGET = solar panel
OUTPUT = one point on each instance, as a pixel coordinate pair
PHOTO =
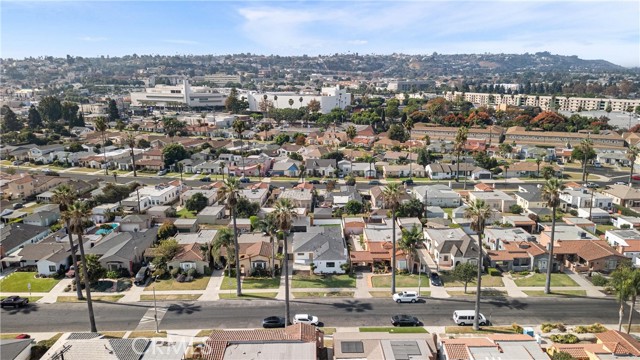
(352, 347)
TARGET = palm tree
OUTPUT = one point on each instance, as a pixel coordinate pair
(301, 100)
(269, 227)
(632, 155)
(230, 192)
(587, 148)
(634, 287)
(538, 162)
(239, 127)
(283, 215)
(478, 213)
(76, 215)
(391, 195)
(222, 165)
(506, 172)
(551, 194)
(621, 284)
(411, 238)
(291, 103)
(409, 126)
(64, 196)
(101, 126)
(458, 148)
(302, 170)
(351, 132)
(225, 240)
(131, 142)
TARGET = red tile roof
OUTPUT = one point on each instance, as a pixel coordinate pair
(587, 249)
(619, 342)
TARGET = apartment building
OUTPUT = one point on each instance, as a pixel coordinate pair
(329, 98)
(519, 135)
(182, 94)
(491, 134)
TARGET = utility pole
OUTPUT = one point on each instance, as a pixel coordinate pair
(138, 194)
(155, 308)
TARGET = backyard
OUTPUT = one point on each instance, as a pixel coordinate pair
(185, 214)
(328, 281)
(229, 283)
(402, 280)
(172, 284)
(18, 282)
(539, 280)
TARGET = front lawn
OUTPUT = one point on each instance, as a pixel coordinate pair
(556, 293)
(395, 330)
(229, 283)
(248, 296)
(170, 297)
(17, 282)
(185, 214)
(108, 298)
(402, 280)
(483, 293)
(319, 294)
(172, 284)
(539, 280)
(327, 281)
(487, 281)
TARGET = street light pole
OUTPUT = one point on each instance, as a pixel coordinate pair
(155, 308)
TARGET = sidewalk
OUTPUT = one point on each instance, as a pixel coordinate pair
(592, 290)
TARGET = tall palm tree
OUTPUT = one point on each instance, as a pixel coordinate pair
(587, 147)
(409, 126)
(239, 127)
(230, 192)
(621, 284)
(478, 213)
(225, 240)
(269, 227)
(101, 126)
(222, 165)
(458, 147)
(64, 196)
(391, 195)
(632, 155)
(538, 162)
(131, 143)
(291, 103)
(410, 240)
(76, 214)
(283, 215)
(551, 194)
(634, 287)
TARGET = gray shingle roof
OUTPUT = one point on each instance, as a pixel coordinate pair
(327, 243)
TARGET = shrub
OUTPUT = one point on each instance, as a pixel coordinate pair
(564, 338)
(175, 272)
(573, 212)
(159, 272)
(517, 328)
(591, 329)
(113, 274)
(547, 327)
(192, 272)
(536, 270)
(599, 280)
(494, 272)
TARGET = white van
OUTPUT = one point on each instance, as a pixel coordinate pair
(466, 317)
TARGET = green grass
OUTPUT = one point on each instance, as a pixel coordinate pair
(185, 214)
(328, 281)
(111, 298)
(329, 331)
(147, 334)
(248, 295)
(601, 229)
(17, 282)
(483, 330)
(317, 294)
(539, 280)
(171, 284)
(229, 283)
(401, 281)
(380, 294)
(113, 334)
(487, 281)
(170, 297)
(484, 292)
(205, 333)
(395, 330)
(556, 293)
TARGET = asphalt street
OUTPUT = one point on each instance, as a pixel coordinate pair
(227, 314)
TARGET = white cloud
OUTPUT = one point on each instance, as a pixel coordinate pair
(93, 38)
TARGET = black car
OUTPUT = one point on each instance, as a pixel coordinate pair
(405, 320)
(314, 182)
(435, 279)
(206, 179)
(374, 182)
(14, 301)
(407, 182)
(245, 180)
(273, 322)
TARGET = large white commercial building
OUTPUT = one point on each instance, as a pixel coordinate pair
(545, 102)
(179, 95)
(329, 98)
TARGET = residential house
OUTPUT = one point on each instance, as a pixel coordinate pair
(495, 199)
(48, 257)
(322, 246)
(41, 153)
(597, 215)
(299, 341)
(564, 232)
(451, 247)
(435, 212)
(520, 221)
(627, 242)
(447, 171)
(611, 344)
(527, 169)
(377, 197)
(123, 250)
(341, 198)
(25, 185)
(585, 198)
(630, 222)
(16, 349)
(191, 256)
(321, 167)
(587, 255)
(135, 222)
(585, 224)
(256, 257)
(624, 196)
(495, 236)
(437, 195)
(101, 213)
(148, 196)
(14, 236)
(210, 194)
(201, 237)
(186, 225)
(357, 169)
(285, 168)
(494, 346)
(288, 149)
(302, 198)
(160, 213)
(396, 171)
(518, 256)
(258, 195)
(529, 196)
(81, 346)
(212, 215)
(42, 218)
(152, 159)
(384, 346)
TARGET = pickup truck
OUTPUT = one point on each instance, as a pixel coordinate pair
(14, 301)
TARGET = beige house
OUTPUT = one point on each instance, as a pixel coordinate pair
(302, 198)
(624, 195)
(256, 257)
(24, 185)
(190, 256)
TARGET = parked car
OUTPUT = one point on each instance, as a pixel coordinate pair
(245, 180)
(407, 182)
(17, 206)
(466, 317)
(206, 179)
(559, 162)
(597, 164)
(374, 182)
(635, 177)
(592, 185)
(404, 320)
(23, 336)
(17, 162)
(620, 183)
(305, 319)
(273, 322)
(162, 172)
(405, 296)
(436, 280)
(71, 272)
(314, 182)
(142, 275)
(14, 301)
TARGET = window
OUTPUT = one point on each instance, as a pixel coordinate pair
(52, 268)
(259, 265)
(331, 264)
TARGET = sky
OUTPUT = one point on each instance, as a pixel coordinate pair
(608, 30)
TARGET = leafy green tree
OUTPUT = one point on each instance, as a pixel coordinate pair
(167, 249)
(173, 153)
(120, 125)
(281, 139)
(95, 271)
(70, 114)
(246, 208)
(313, 106)
(144, 143)
(562, 355)
(424, 157)
(548, 172)
(233, 104)
(515, 209)
(397, 132)
(172, 126)
(196, 203)
(167, 230)
(10, 121)
(295, 156)
(75, 147)
(465, 273)
(337, 155)
(350, 180)
(112, 110)
(411, 208)
(353, 207)
(485, 161)
(50, 109)
(34, 120)
(392, 108)
(224, 240)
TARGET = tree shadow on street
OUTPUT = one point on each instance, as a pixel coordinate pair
(353, 306)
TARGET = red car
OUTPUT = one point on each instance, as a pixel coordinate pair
(23, 336)
(635, 177)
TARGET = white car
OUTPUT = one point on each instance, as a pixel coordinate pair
(305, 319)
(405, 296)
(621, 183)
